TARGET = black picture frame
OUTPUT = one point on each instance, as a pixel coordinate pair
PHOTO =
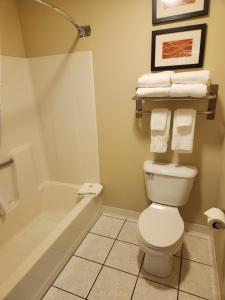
(200, 13)
(202, 27)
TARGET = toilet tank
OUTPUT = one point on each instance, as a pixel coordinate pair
(169, 184)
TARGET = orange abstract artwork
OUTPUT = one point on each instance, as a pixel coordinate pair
(176, 49)
(175, 3)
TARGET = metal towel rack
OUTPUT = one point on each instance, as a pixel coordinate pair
(211, 98)
(6, 163)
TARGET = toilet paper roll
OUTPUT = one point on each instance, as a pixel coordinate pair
(216, 218)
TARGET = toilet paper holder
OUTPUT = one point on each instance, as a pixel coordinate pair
(217, 225)
(216, 218)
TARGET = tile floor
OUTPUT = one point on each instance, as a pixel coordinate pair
(108, 266)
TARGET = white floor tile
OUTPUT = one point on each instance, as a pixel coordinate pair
(146, 290)
(185, 296)
(56, 294)
(113, 285)
(78, 276)
(125, 257)
(95, 247)
(129, 233)
(107, 226)
(172, 280)
(197, 279)
(198, 249)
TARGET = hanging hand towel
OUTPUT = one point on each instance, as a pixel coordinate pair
(188, 90)
(183, 136)
(151, 80)
(153, 92)
(160, 128)
(195, 77)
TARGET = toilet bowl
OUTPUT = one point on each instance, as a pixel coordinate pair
(160, 227)
(160, 233)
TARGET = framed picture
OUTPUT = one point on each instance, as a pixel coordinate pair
(178, 48)
(173, 10)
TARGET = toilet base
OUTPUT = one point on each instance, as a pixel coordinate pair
(160, 266)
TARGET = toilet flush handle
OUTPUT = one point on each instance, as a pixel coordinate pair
(150, 174)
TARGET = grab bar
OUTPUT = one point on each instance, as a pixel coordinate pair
(6, 163)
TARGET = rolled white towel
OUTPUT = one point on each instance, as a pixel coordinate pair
(195, 77)
(188, 90)
(153, 92)
(151, 80)
(90, 189)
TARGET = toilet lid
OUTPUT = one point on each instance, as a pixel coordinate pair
(160, 226)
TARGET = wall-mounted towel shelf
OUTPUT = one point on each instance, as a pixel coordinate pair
(211, 99)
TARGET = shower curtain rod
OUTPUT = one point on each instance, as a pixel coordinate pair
(83, 31)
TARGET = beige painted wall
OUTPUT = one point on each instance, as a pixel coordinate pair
(121, 51)
(219, 236)
(10, 29)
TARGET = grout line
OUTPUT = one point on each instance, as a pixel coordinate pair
(122, 218)
(194, 295)
(137, 278)
(65, 291)
(114, 268)
(124, 221)
(114, 239)
(130, 243)
(198, 262)
(105, 236)
(181, 259)
(84, 258)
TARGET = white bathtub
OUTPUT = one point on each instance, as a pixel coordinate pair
(31, 260)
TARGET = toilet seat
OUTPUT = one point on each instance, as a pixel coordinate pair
(160, 226)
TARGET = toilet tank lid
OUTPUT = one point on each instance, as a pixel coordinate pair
(169, 169)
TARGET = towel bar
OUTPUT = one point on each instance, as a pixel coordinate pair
(199, 112)
(6, 163)
(211, 98)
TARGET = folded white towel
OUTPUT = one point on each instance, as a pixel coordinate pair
(159, 119)
(153, 92)
(183, 136)
(188, 90)
(90, 189)
(194, 77)
(151, 80)
(159, 138)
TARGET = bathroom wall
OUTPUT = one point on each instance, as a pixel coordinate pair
(10, 29)
(219, 236)
(120, 41)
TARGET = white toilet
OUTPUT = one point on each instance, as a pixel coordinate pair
(160, 226)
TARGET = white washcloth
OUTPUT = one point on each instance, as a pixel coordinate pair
(194, 77)
(90, 189)
(188, 90)
(151, 80)
(183, 136)
(159, 119)
(153, 92)
(159, 138)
